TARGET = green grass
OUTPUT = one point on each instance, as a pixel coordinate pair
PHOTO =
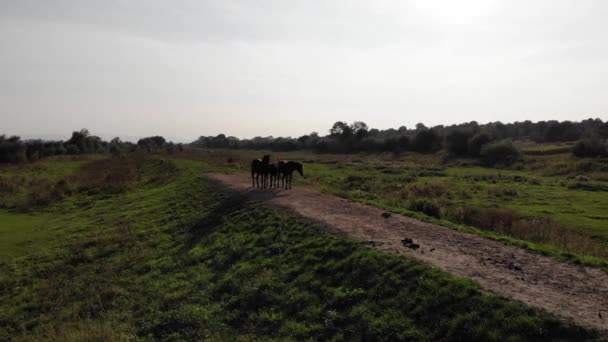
(20, 233)
(552, 189)
(175, 258)
(18, 181)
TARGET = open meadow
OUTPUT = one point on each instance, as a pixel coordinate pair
(303, 170)
(147, 247)
(552, 203)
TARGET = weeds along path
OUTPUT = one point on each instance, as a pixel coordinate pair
(567, 290)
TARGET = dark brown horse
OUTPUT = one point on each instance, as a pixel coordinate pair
(286, 169)
(259, 169)
(272, 176)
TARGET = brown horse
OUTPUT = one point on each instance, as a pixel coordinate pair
(286, 169)
(272, 176)
(259, 169)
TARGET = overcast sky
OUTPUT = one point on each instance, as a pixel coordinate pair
(188, 68)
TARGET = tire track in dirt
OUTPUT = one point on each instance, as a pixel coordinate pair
(570, 291)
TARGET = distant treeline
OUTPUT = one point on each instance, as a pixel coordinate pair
(15, 150)
(467, 139)
(490, 142)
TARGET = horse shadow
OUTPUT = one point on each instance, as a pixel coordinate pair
(232, 201)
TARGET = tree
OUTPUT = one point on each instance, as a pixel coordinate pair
(359, 129)
(116, 147)
(151, 143)
(426, 141)
(78, 139)
(341, 130)
(457, 142)
(501, 152)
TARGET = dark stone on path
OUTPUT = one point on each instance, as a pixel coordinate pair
(409, 243)
(386, 215)
(514, 266)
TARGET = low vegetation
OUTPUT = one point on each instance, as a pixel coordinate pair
(161, 254)
(554, 204)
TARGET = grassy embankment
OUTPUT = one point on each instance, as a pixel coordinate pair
(150, 249)
(553, 204)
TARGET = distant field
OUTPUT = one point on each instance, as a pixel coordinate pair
(151, 250)
(557, 203)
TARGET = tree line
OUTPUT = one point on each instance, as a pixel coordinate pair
(491, 142)
(15, 150)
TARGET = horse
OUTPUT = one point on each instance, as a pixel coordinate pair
(259, 168)
(270, 176)
(286, 169)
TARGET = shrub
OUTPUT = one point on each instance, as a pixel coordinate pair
(500, 153)
(43, 192)
(72, 149)
(586, 185)
(105, 176)
(425, 206)
(590, 148)
(7, 185)
(486, 218)
(477, 142)
(432, 190)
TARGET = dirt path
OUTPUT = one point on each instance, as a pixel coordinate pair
(567, 290)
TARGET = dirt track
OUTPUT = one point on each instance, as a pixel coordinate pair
(567, 290)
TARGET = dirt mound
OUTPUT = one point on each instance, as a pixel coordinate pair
(567, 290)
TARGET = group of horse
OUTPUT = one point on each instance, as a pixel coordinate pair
(265, 174)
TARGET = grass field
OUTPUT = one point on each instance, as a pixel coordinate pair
(554, 204)
(20, 233)
(161, 254)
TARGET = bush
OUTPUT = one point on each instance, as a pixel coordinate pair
(476, 143)
(590, 148)
(425, 206)
(486, 218)
(72, 149)
(500, 153)
(432, 190)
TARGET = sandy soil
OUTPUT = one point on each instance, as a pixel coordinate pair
(567, 290)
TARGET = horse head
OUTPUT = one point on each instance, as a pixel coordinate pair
(266, 159)
(300, 169)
